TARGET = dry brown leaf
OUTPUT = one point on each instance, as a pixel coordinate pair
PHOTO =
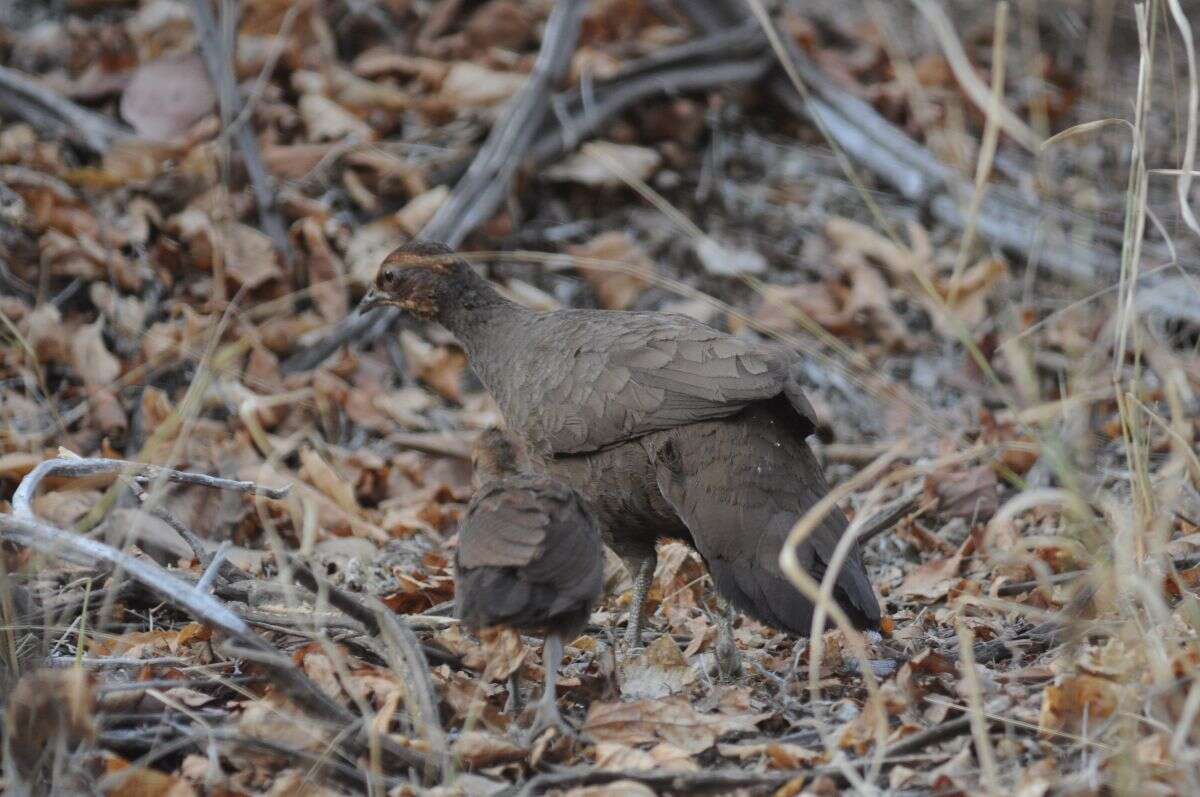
(660, 671)
(478, 749)
(96, 366)
(317, 472)
(469, 85)
(1077, 700)
(971, 494)
(660, 756)
(440, 367)
(671, 720)
(46, 335)
(615, 289)
(597, 164)
(166, 97)
(249, 255)
(325, 120)
(48, 708)
(933, 581)
(413, 217)
(503, 652)
(326, 273)
(131, 781)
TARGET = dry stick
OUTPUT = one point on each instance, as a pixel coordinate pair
(889, 516)
(72, 468)
(53, 541)
(51, 113)
(188, 597)
(487, 180)
(220, 69)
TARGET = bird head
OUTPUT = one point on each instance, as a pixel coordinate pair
(497, 454)
(420, 277)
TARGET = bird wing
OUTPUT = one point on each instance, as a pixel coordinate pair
(528, 550)
(610, 377)
(740, 495)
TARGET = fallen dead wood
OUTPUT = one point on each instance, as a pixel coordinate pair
(47, 111)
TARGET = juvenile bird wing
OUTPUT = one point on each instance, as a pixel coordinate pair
(602, 378)
(528, 550)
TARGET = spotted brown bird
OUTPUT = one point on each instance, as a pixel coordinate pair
(528, 558)
(667, 427)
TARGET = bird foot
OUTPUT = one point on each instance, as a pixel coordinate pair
(547, 717)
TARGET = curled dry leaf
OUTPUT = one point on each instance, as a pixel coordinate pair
(249, 255)
(439, 367)
(619, 285)
(94, 363)
(166, 97)
(469, 85)
(660, 671)
(48, 711)
(325, 272)
(317, 472)
(325, 120)
(661, 756)
(933, 581)
(671, 720)
(478, 749)
(1077, 700)
(603, 163)
(971, 494)
(420, 209)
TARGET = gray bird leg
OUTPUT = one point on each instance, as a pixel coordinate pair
(547, 715)
(514, 704)
(642, 570)
(729, 660)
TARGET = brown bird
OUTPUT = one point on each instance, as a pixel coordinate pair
(667, 427)
(528, 558)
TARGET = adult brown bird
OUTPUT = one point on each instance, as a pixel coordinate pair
(528, 558)
(668, 428)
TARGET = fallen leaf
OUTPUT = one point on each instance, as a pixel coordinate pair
(1076, 701)
(325, 120)
(616, 289)
(618, 788)
(249, 255)
(603, 163)
(413, 217)
(166, 97)
(725, 261)
(478, 749)
(317, 472)
(440, 367)
(660, 671)
(91, 358)
(971, 494)
(933, 581)
(469, 85)
(370, 244)
(671, 720)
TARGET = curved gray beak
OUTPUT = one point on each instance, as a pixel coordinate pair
(371, 300)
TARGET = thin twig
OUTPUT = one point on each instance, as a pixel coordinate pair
(217, 59)
(41, 107)
(71, 468)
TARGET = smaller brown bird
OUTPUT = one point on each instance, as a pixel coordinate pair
(529, 557)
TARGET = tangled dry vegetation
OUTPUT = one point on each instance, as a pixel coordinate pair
(976, 220)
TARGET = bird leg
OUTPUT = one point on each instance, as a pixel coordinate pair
(514, 704)
(729, 661)
(642, 570)
(547, 715)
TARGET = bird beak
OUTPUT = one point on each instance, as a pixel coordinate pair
(371, 300)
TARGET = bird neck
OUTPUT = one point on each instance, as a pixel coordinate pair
(474, 311)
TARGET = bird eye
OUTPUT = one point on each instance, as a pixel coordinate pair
(389, 277)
